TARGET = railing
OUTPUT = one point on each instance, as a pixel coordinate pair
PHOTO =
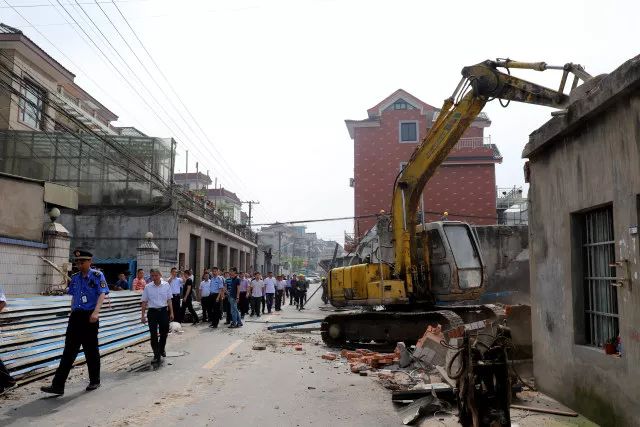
(507, 197)
(67, 102)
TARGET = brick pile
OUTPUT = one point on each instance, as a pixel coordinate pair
(363, 360)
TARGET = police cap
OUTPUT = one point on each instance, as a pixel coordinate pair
(81, 255)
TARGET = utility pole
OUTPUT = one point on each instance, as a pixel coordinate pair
(279, 249)
(251, 203)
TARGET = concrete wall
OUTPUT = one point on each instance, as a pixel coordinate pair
(586, 164)
(118, 235)
(505, 252)
(21, 209)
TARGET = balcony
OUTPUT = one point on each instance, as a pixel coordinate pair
(75, 108)
(473, 143)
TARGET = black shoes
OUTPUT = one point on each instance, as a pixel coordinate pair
(52, 390)
(156, 361)
(93, 386)
(163, 354)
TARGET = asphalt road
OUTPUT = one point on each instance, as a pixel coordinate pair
(215, 377)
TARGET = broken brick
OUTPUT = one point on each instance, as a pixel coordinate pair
(329, 356)
(298, 348)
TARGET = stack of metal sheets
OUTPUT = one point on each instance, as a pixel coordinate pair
(32, 331)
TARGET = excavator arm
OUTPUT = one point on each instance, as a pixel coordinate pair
(480, 84)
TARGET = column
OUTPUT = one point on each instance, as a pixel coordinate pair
(58, 241)
(214, 254)
(227, 257)
(148, 254)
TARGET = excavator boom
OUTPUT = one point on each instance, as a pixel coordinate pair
(480, 83)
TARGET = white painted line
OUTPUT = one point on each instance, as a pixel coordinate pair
(213, 362)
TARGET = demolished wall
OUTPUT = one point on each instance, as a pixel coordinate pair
(505, 252)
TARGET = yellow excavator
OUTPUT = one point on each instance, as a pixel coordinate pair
(413, 275)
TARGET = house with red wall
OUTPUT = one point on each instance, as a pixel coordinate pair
(464, 185)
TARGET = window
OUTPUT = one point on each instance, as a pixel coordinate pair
(400, 105)
(408, 131)
(465, 254)
(403, 165)
(600, 296)
(31, 105)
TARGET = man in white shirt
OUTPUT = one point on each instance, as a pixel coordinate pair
(205, 298)
(157, 298)
(256, 289)
(270, 290)
(6, 380)
(176, 289)
(281, 284)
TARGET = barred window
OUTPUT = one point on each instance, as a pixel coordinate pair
(600, 296)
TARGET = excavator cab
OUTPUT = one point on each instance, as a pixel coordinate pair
(449, 263)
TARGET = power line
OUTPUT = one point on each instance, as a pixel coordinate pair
(342, 218)
(175, 93)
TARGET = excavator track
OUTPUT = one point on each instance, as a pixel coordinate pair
(385, 327)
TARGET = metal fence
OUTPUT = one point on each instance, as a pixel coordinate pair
(102, 174)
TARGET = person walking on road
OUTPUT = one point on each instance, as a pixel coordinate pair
(176, 289)
(269, 290)
(256, 289)
(187, 298)
(287, 291)
(300, 292)
(233, 294)
(157, 304)
(88, 289)
(281, 285)
(243, 301)
(6, 380)
(216, 297)
(205, 300)
(225, 302)
(292, 292)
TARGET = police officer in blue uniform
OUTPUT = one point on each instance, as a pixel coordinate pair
(88, 289)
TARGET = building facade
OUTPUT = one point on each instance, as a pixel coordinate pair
(53, 131)
(463, 186)
(584, 210)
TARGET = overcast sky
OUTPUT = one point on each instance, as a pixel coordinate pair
(271, 82)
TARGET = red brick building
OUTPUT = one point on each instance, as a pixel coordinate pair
(464, 185)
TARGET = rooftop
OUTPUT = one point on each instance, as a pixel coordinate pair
(223, 192)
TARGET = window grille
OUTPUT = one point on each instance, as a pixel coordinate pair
(600, 296)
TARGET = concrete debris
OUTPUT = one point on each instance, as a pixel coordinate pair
(405, 356)
(259, 347)
(428, 348)
(423, 406)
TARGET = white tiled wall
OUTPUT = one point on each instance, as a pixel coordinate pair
(21, 269)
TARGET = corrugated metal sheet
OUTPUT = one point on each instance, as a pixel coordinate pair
(32, 331)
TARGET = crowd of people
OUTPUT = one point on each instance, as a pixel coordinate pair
(221, 293)
(228, 295)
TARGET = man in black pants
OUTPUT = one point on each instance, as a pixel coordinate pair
(216, 296)
(176, 288)
(157, 298)
(88, 289)
(187, 295)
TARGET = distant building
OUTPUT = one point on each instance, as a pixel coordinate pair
(227, 202)
(192, 181)
(464, 185)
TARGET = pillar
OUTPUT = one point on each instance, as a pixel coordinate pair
(148, 254)
(227, 257)
(58, 241)
(214, 254)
